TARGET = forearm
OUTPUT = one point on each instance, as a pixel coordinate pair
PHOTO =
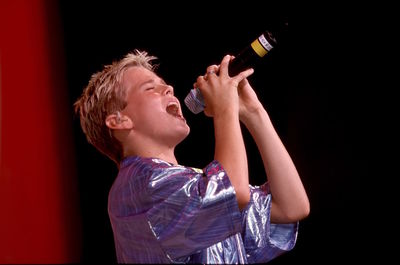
(289, 199)
(230, 152)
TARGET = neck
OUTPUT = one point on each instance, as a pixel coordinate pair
(166, 153)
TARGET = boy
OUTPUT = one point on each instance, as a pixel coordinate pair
(163, 212)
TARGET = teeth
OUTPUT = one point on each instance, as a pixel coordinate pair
(172, 104)
(173, 109)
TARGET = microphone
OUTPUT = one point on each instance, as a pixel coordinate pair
(244, 60)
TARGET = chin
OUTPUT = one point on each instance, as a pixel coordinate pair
(184, 134)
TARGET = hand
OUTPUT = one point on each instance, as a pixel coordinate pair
(220, 91)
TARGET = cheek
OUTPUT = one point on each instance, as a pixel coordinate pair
(145, 112)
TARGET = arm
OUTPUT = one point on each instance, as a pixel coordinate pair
(222, 103)
(230, 152)
(289, 199)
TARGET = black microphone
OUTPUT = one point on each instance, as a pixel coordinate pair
(244, 60)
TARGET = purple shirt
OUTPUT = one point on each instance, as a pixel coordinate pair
(165, 213)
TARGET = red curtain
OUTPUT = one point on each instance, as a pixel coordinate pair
(39, 213)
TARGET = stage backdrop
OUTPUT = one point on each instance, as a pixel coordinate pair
(39, 213)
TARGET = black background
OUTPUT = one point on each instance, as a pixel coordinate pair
(318, 116)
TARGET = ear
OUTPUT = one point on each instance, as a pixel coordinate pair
(119, 122)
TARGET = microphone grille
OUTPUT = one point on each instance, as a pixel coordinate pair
(195, 101)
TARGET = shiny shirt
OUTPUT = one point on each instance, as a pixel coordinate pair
(166, 213)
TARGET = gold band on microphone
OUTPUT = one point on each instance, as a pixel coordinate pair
(258, 48)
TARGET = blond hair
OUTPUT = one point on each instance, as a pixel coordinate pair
(105, 94)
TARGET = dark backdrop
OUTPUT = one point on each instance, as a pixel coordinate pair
(316, 115)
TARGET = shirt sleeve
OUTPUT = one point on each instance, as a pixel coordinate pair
(191, 210)
(263, 240)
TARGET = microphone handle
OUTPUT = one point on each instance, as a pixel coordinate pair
(245, 59)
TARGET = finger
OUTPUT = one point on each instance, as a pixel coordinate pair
(212, 69)
(223, 68)
(244, 74)
(200, 81)
(209, 73)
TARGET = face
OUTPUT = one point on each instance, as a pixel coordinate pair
(154, 110)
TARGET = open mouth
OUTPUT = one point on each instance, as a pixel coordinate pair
(174, 110)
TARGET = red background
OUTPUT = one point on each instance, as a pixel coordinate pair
(38, 197)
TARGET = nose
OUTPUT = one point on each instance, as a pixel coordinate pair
(167, 90)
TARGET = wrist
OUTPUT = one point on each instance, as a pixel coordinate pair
(231, 108)
(253, 113)
(225, 114)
